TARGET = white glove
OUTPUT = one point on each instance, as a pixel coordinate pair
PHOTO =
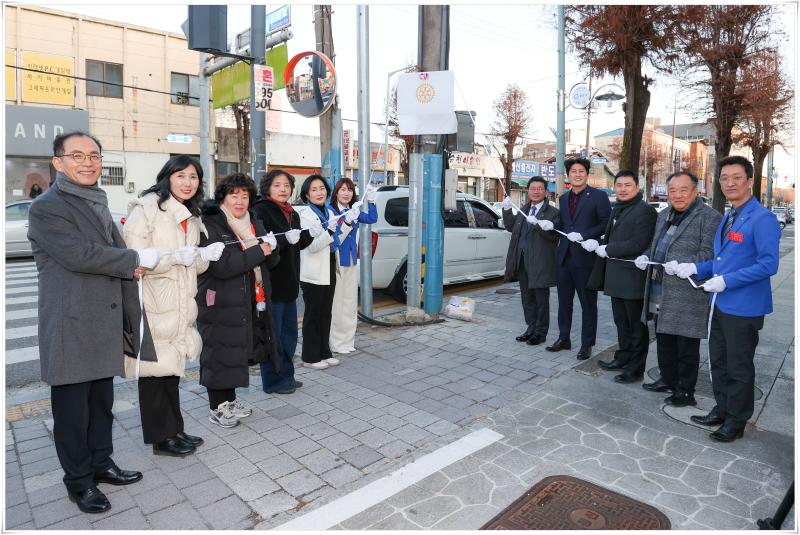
(641, 262)
(507, 204)
(269, 239)
(211, 253)
(371, 193)
(590, 245)
(545, 224)
(314, 230)
(671, 267)
(186, 255)
(148, 258)
(293, 235)
(332, 223)
(532, 219)
(601, 251)
(574, 237)
(351, 215)
(714, 284)
(684, 271)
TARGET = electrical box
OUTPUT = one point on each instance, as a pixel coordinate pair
(208, 28)
(450, 188)
(464, 138)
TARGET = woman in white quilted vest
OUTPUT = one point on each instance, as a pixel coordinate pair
(166, 217)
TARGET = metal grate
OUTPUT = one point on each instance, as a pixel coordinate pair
(113, 176)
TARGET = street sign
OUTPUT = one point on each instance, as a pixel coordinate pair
(579, 95)
(279, 19)
(179, 138)
(263, 78)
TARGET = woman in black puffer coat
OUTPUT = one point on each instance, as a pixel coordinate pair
(234, 300)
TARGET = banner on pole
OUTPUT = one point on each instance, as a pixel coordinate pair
(425, 103)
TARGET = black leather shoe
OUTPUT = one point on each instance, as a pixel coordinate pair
(298, 384)
(524, 337)
(584, 353)
(727, 433)
(626, 378)
(558, 345)
(173, 447)
(91, 500)
(709, 419)
(681, 399)
(535, 340)
(657, 386)
(611, 365)
(117, 476)
(189, 439)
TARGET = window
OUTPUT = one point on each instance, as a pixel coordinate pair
(105, 75)
(456, 218)
(484, 217)
(17, 212)
(185, 86)
(397, 212)
(112, 176)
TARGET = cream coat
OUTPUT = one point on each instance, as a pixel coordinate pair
(169, 288)
(315, 259)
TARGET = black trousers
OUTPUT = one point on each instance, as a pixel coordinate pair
(678, 361)
(732, 348)
(535, 304)
(318, 302)
(160, 408)
(217, 397)
(572, 280)
(632, 335)
(82, 421)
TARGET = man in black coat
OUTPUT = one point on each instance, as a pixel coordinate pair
(531, 258)
(627, 235)
(584, 214)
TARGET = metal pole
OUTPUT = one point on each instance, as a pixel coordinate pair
(414, 262)
(258, 157)
(206, 159)
(364, 155)
(589, 121)
(386, 131)
(672, 149)
(769, 177)
(560, 140)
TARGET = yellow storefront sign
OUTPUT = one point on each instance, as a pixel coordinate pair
(47, 79)
(11, 74)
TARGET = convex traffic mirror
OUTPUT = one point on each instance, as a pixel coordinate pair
(310, 83)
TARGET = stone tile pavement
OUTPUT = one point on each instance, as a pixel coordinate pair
(407, 392)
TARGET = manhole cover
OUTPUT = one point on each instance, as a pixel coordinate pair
(703, 387)
(506, 291)
(565, 502)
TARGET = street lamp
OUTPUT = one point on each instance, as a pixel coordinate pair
(581, 97)
(386, 125)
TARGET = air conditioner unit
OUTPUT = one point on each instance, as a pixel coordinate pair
(130, 187)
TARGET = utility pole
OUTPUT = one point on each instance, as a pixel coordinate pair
(258, 148)
(589, 120)
(330, 122)
(206, 158)
(672, 149)
(364, 155)
(770, 170)
(561, 145)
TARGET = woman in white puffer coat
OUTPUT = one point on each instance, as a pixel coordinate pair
(165, 217)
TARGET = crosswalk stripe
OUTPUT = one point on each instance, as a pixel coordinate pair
(20, 266)
(22, 300)
(24, 278)
(21, 290)
(22, 332)
(24, 354)
(22, 314)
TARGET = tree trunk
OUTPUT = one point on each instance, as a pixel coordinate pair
(721, 150)
(242, 116)
(759, 155)
(638, 101)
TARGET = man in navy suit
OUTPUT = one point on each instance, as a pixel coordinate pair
(746, 248)
(584, 214)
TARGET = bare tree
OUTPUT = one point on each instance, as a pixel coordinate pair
(619, 40)
(241, 112)
(767, 109)
(719, 42)
(512, 121)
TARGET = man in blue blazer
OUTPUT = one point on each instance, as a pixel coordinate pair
(584, 214)
(746, 249)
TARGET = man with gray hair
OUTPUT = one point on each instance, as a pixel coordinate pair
(684, 233)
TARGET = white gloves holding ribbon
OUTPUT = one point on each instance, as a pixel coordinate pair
(531, 219)
(601, 251)
(641, 262)
(714, 284)
(293, 235)
(148, 258)
(507, 204)
(211, 253)
(332, 223)
(371, 193)
(546, 224)
(351, 215)
(574, 237)
(314, 230)
(684, 271)
(590, 245)
(185, 256)
(270, 240)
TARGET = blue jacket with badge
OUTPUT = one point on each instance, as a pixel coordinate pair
(746, 262)
(348, 249)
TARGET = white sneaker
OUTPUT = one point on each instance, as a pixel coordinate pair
(331, 361)
(321, 365)
(223, 415)
(239, 410)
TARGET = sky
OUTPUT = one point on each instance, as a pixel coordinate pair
(491, 46)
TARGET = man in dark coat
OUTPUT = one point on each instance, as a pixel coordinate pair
(584, 214)
(89, 316)
(531, 258)
(627, 235)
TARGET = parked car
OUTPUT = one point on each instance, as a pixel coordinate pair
(659, 206)
(17, 244)
(475, 242)
(783, 213)
(780, 218)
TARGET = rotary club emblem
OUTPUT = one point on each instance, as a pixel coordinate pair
(425, 93)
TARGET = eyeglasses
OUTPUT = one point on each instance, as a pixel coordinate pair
(79, 157)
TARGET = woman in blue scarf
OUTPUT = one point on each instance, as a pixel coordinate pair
(318, 273)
